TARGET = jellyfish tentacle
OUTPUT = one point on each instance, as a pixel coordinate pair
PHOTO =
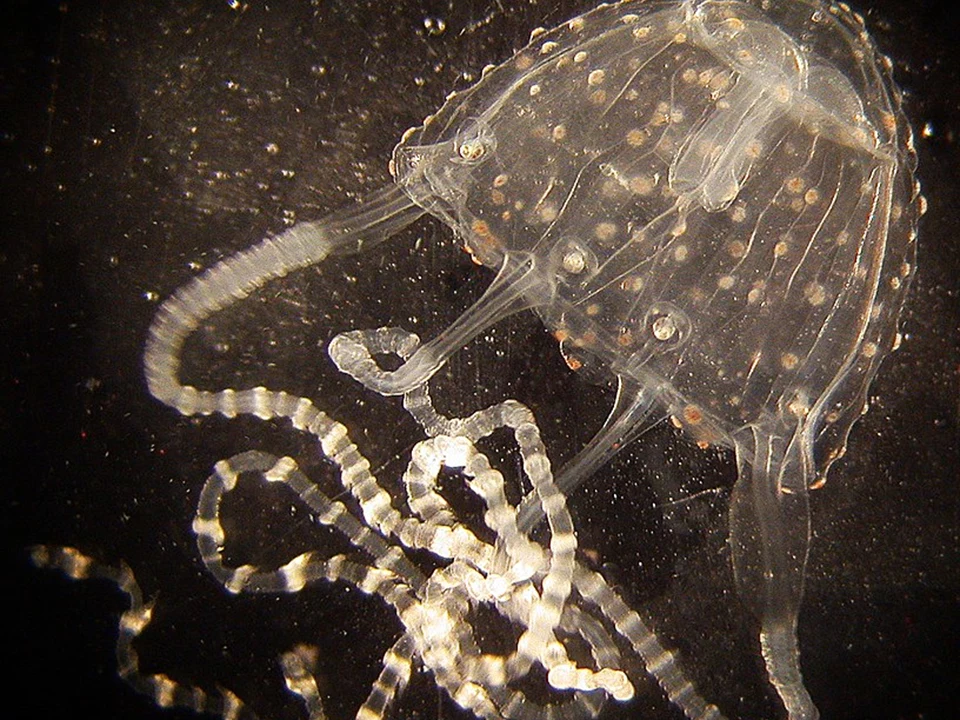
(165, 691)
(770, 540)
(298, 666)
(628, 418)
(349, 230)
(592, 604)
(660, 662)
(520, 284)
(515, 575)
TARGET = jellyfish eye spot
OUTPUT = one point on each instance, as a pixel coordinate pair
(411, 161)
(471, 151)
(664, 328)
(669, 325)
(574, 262)
(475, 144)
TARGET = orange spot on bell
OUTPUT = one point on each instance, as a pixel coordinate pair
(692, 415)
(587, 339)
(486, 241)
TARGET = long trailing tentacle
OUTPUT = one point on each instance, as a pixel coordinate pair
(591, 596)
(770, 540)
(347, 231)
(165, 691)
(543, 590)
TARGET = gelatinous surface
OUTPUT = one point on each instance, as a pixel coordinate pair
(696, 156)
(140, 203)
(715, 199)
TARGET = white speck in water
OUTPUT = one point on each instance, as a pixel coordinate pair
(434, 26)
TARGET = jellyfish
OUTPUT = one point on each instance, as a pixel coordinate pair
(711, 202)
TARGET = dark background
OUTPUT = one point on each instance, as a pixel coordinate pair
(142, 142)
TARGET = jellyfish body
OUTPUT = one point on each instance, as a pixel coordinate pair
(713, 200)
(721, 207)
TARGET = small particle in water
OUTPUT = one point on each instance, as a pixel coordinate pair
(434, 26)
